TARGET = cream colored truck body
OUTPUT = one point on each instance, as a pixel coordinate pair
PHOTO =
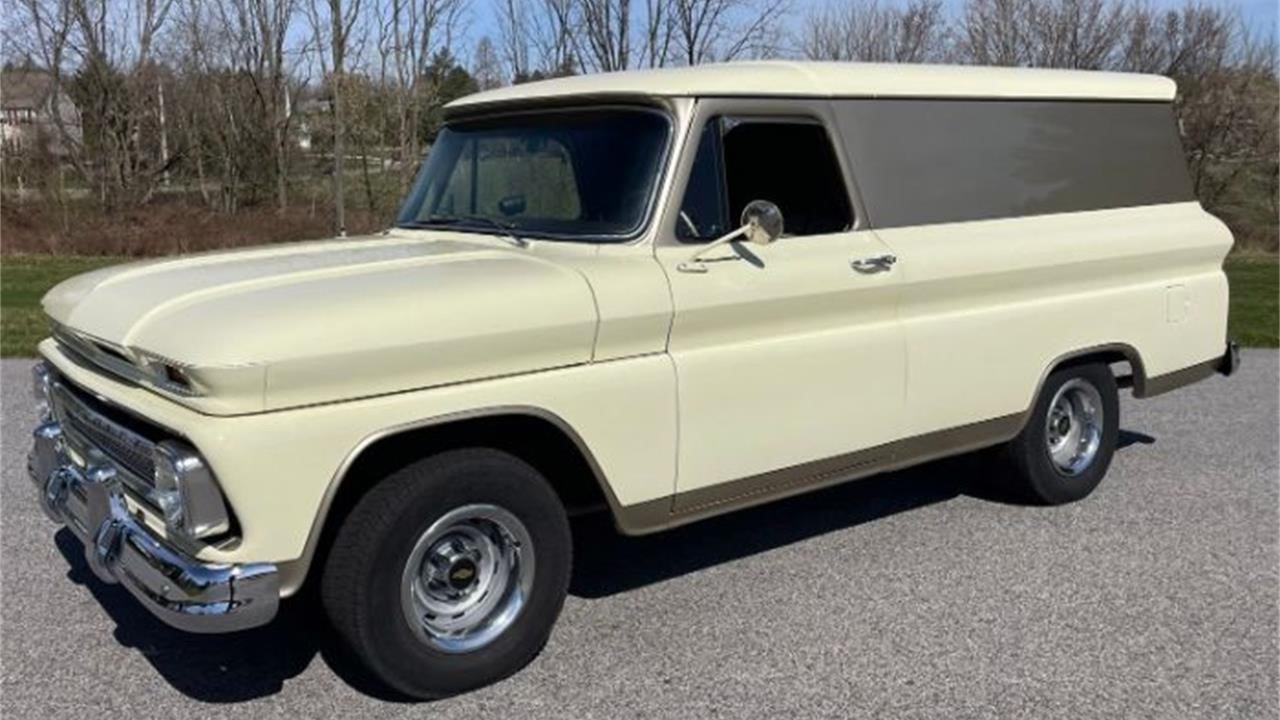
(688, 393)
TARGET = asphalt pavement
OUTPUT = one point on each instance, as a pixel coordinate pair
(918, 594)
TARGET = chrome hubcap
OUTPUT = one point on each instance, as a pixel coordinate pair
(1073, 429)
(467, 578)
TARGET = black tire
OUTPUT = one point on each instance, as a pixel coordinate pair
(1033, 474)
(361, 585)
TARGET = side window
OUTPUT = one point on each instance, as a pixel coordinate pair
(702, 214)
(791, 164)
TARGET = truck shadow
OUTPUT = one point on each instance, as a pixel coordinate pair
(227, 668)
(607, 562)
(257, 663)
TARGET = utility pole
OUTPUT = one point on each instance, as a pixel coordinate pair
(339, 122)
(164, 135)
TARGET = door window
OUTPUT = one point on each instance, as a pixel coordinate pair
(791, 164)
(703, 214)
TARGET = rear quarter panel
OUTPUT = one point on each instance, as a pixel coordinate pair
(988, 306)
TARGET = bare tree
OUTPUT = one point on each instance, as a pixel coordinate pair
(552, 30)
(658, 31)
(110, 46)
(607, 26)
(867, 31)
(208, 121)
(720, 30)
(602, 37)
(230, 101)
(1080, 34)
(998, 32)
(50, 28)
(331, 23)
(513, 33)
(340, 23)
(411, 34)
(272, 20)
(1193, 39)
(256, 32)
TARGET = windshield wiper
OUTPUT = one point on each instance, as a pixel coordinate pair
(506, 229)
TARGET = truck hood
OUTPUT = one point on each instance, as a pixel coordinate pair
(288, 325)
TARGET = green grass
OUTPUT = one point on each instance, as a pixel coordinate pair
(23, 280)
(1255, 298)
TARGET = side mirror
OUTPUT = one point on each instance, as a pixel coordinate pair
(761, 222)
(761, 225)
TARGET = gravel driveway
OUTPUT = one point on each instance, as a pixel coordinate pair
(908, 595)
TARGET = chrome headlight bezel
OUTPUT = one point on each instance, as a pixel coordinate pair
(41, 388)
(187, 493)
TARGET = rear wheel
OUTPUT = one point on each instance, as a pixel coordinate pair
(1066, 446)
(449, 574)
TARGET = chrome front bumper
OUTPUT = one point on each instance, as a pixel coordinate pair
(184, 592)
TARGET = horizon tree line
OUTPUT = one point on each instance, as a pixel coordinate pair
(213, 98)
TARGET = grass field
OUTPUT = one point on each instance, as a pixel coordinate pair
(23, 280)
(1255, 298)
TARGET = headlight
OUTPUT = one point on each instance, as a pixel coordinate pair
(41, 378)
(186, 491)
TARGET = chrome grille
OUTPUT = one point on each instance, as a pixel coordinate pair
(96, 355)
(123, 446)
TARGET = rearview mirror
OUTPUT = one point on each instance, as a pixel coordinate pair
(511, 205)
(761, 225)
(761, 222)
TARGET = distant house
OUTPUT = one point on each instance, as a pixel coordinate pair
(30, 108)
(310, 113)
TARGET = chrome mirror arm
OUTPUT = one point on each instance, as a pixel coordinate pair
(695, 265)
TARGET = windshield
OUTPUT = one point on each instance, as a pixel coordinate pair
(581, 175)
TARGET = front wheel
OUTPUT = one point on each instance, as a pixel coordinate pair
(449, 574)
(1066, 446)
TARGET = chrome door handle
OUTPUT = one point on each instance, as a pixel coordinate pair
(877, 263)
(699, 266)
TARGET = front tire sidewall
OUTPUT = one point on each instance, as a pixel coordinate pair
(426, 491)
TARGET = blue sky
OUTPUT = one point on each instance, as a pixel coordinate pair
(1266, 13)
(1261, 15)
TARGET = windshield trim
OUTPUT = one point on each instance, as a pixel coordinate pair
(647, 218)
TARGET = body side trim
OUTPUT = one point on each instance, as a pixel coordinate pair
(701, 503)
(1162, 384)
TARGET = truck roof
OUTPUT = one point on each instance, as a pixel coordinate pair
(785, 78)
